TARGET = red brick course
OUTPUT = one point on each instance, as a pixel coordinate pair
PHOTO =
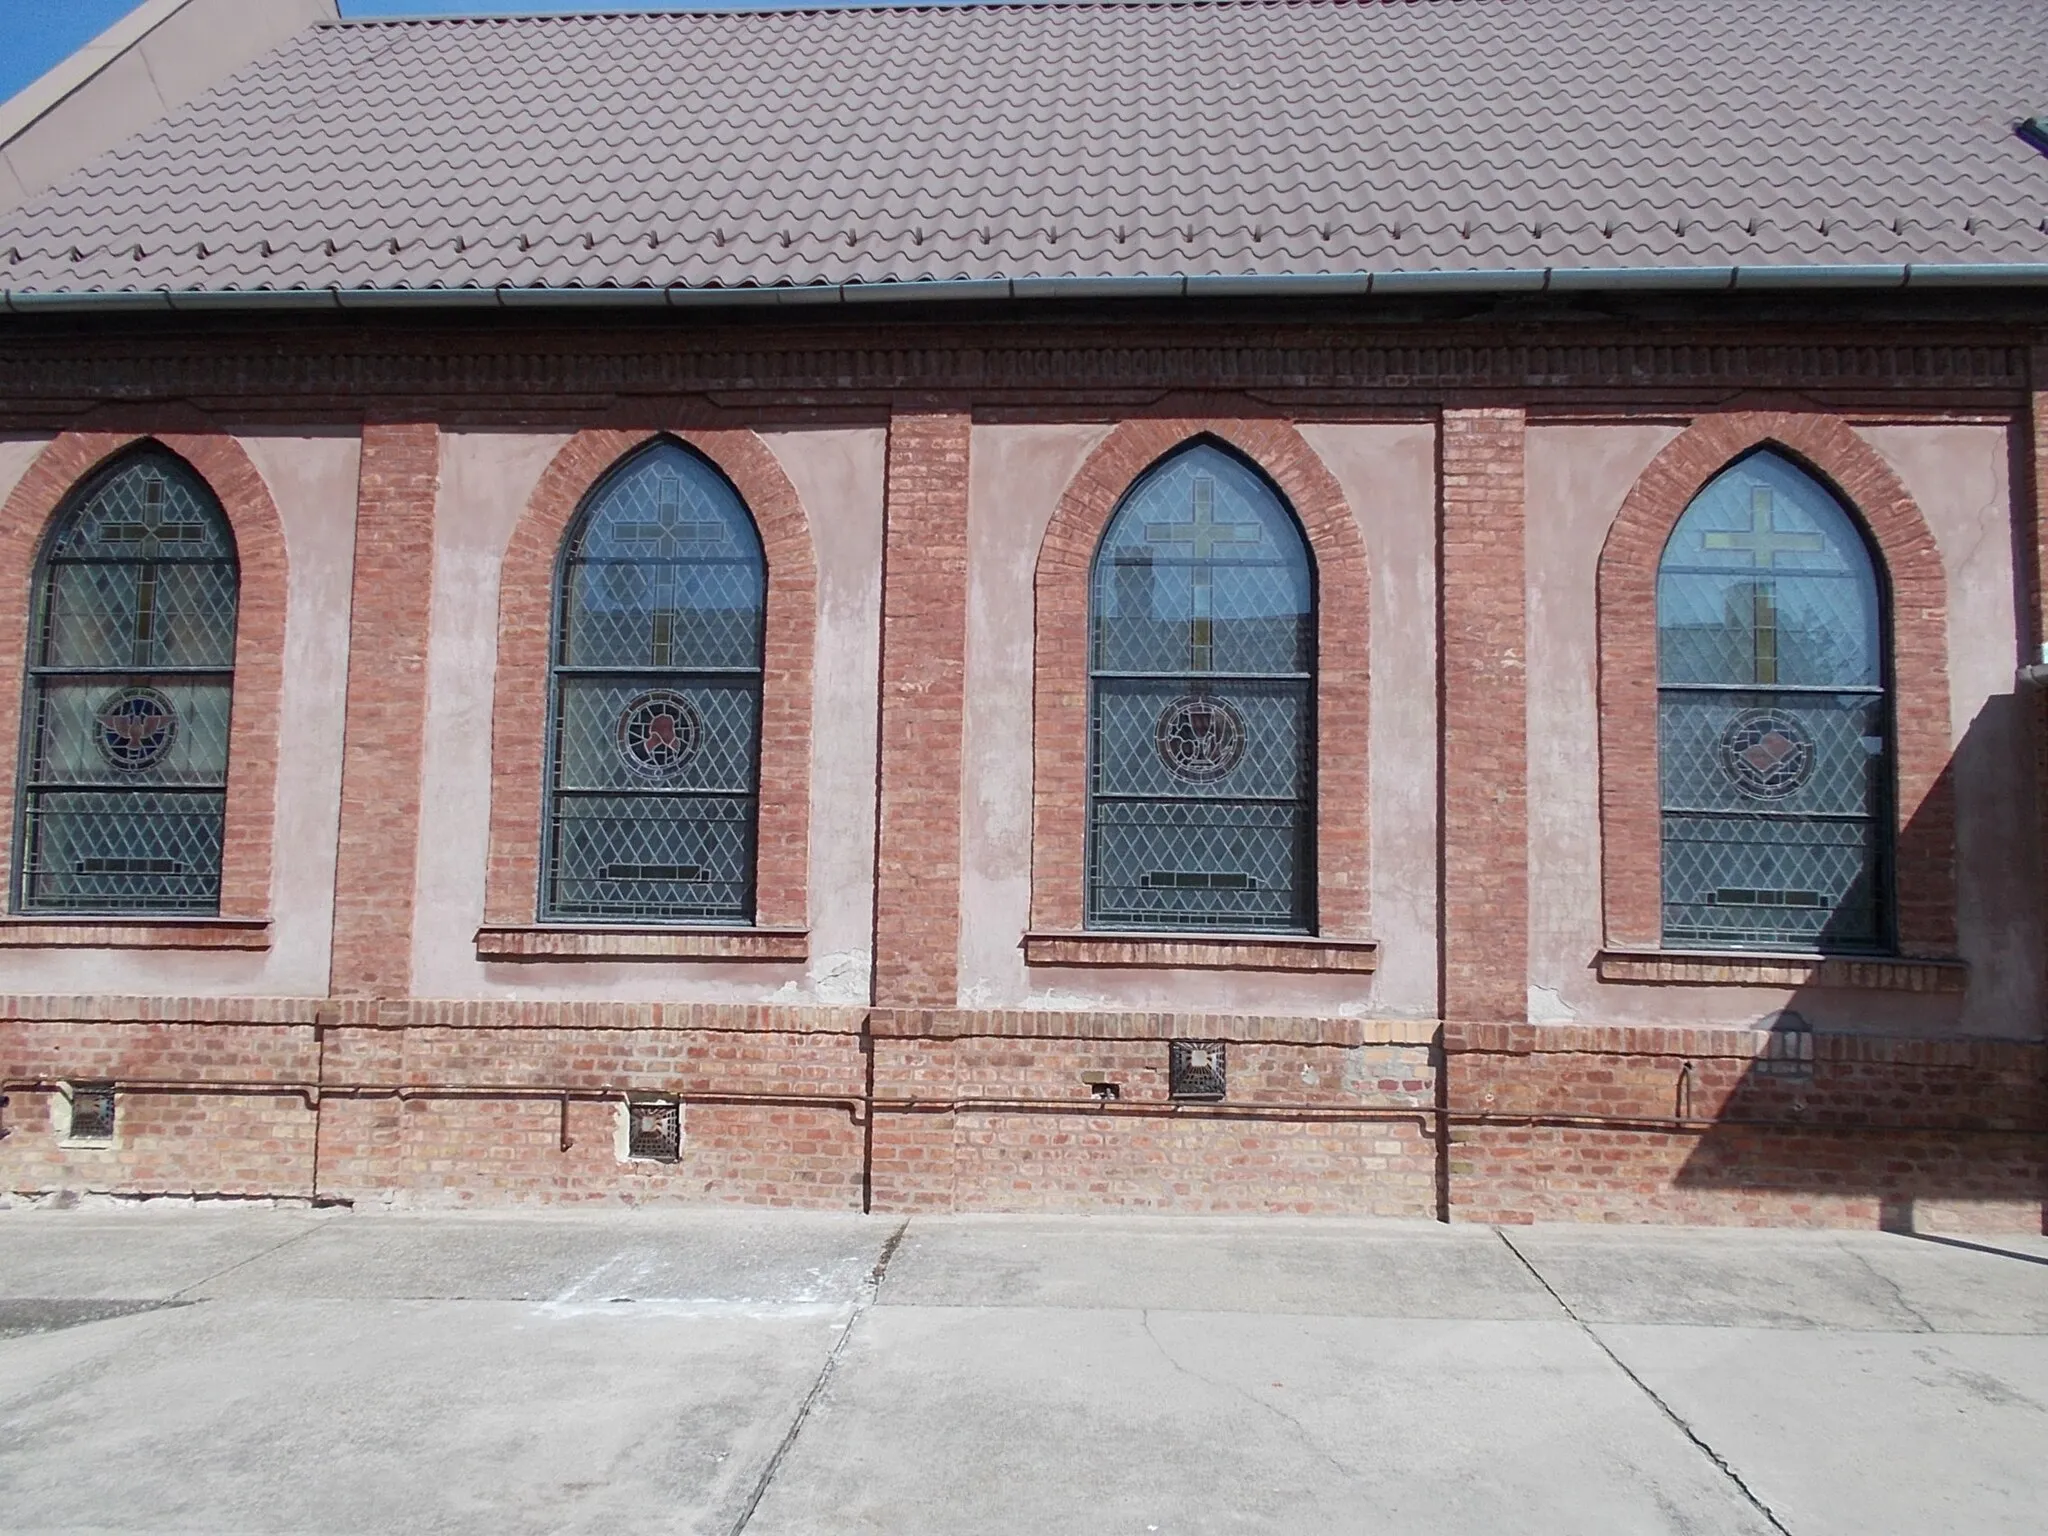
(259, 636)
(1650, 1124)
(526, 601)
(1631, 827)
(1343, 684)
(384, 727)
(924, 673)
(1484, 694)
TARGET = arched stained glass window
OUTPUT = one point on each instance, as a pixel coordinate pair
(130, 688)
(656, 720)
(1202, 715)
(1774, 723)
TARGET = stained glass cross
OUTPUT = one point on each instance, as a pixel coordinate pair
(1764, 540)
(670, 529)
(151, 524)
(1204, 533)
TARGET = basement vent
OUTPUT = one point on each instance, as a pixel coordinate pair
(92, 1112)
(1194, 1070)
(1789, 1050)
(654, 1130)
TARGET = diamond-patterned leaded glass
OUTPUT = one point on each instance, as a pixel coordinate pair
(130, 687)
(1773, 721)
(1202, 725)
(656, 720)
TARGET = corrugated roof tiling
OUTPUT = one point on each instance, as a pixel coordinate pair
(1104, 140)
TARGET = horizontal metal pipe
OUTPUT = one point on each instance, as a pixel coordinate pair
(312, 1093)
(930, 290)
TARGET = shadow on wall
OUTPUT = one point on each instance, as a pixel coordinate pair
(1947, 1132)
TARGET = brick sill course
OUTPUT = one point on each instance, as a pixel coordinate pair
(1209, 951)
(123, 933)
(1749, 968)
(561, 943)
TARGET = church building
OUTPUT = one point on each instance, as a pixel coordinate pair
(1424, 608)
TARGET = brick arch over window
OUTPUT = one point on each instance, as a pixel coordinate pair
(70, 460)
(1060, 694)
(1830, 449)
(525, 627)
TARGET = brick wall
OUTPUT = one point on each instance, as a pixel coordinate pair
(1484, 746)
(1710, 1126)
(924, 666)
(385, 725)
(916, 1101)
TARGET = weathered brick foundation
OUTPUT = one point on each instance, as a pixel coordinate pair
(428, 1104)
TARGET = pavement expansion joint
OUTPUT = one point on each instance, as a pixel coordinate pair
(20, 1315)
(870, 1288)
(1720, 1462)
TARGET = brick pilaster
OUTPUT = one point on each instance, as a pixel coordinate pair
(924, 646)
(1484, 700)
(385, 721)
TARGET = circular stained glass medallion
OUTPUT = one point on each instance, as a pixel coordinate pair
(1200, 740)
(659, 732)
(1766, 754)
(135, 729)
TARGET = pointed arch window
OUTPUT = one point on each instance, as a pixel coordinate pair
(1774, 719)
(128, 700)
(655, 718)
(1202, 705)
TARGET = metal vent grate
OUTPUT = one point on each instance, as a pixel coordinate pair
(92, 1112)
(654, 1130)
(1788, 1053)
(1195, 1069)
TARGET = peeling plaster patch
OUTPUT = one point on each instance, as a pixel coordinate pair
(1547, 1006)
(1310, 1077)
(844, 977)
(1066, 1001)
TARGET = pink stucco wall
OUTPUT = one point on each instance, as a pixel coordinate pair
(486, 480)
(1578, 478)
(1018, 474)
(311, 477)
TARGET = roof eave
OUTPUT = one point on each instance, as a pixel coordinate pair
(942, 290)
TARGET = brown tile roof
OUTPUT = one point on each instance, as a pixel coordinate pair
(1080, 141)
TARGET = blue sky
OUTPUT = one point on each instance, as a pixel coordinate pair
(35, 34)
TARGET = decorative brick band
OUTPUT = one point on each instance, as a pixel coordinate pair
(253, 934)
(642, 944)
(742, 1018)
(104, 1008)
(1650, 1040)
(1017, 1024)
(526, 603)
(1739, 969)
(1066, 562)
(1630, 817)
(259, 634)
(924, 671)
(1484, 742)
(384, 729)
(1222, 952)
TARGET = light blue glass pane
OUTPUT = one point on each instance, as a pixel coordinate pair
(1767, 580)
(666, 572)
(148, 507)
(1203, 569)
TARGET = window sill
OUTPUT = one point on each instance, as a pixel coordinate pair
(128, 933)
(1750, 968)
(1204, 951)
(558, 943)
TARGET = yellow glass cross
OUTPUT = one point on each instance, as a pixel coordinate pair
(1205, 533)
(1765, 540)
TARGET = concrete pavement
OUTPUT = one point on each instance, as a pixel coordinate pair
(728, 1372)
